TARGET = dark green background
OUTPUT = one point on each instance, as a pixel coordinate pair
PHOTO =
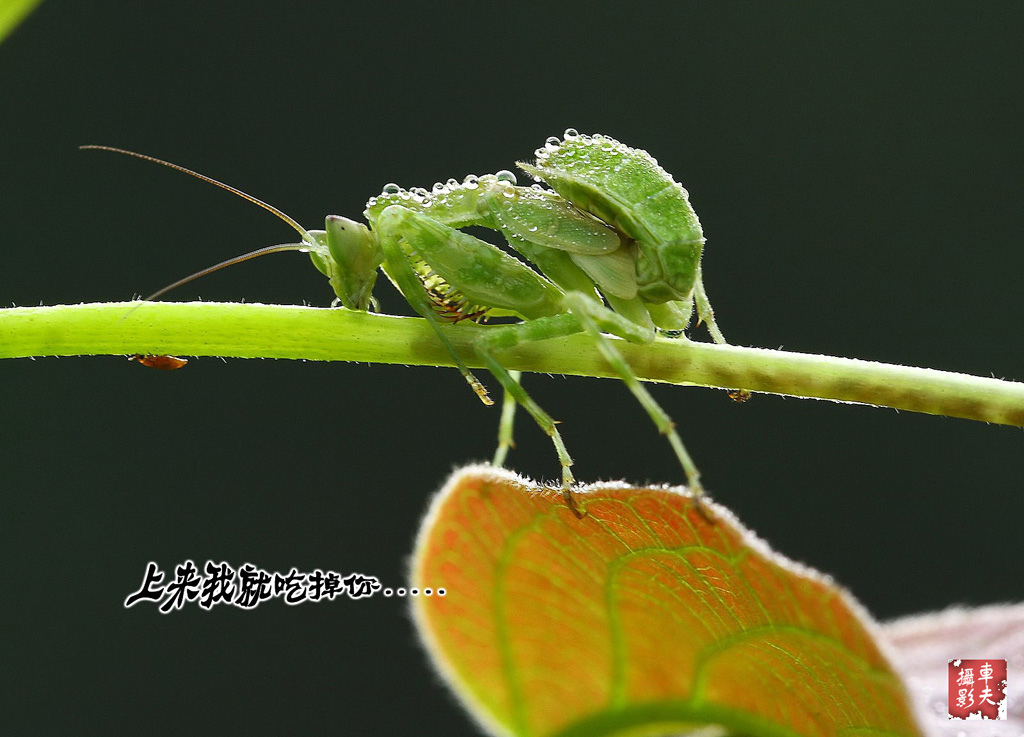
(857, 171)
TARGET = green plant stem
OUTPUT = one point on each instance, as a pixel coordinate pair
(12, 12)
(276, 331)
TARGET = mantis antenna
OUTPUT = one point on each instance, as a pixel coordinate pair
(307, 238)
(224, 264)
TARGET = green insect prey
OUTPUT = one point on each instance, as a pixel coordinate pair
(613, 248)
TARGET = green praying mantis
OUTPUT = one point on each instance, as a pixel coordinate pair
(615, 249)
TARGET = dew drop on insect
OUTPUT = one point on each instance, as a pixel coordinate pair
(472, 181)
(390, 188)
(506, 176)
(571, 133)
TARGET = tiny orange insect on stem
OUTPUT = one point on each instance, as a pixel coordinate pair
(164, 363)
(739, 395)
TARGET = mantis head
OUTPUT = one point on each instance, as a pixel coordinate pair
(354, 255)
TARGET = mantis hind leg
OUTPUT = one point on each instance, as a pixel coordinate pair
(501, 338)
(587, 316)
(508, 416)
(594, 318)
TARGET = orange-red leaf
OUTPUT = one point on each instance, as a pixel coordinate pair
(643, 616)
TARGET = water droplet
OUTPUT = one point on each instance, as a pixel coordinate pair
(419, 192)
(439, 188)
(391, 188)
(533, 228)
(452, 184)
(506, 176)
(509, 192)
(472, 181)
(571, 133)
(552, 143)
(371, 202)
